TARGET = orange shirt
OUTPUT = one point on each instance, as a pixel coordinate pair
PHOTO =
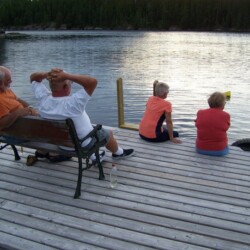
(8, 102)
(154, 116)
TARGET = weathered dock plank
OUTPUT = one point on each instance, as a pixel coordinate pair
(168, 197)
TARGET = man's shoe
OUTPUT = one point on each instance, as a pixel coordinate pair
(101, 155)
(51, 158)
(41, 155)
(126, 153)
(58, 158)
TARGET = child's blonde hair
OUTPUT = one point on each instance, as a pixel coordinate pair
(160, 89)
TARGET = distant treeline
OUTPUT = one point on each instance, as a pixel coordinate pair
(224, 15)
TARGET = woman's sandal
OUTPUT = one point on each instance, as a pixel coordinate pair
(31, 160)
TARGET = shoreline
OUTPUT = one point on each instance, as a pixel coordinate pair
(64, 28)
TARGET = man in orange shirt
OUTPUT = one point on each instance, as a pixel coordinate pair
(11, 107)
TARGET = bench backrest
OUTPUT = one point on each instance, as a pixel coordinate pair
(40, 130)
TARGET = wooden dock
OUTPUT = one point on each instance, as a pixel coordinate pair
(168, 197)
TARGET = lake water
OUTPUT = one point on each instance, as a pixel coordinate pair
(193, 64)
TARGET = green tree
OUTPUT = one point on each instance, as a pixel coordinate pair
(137, 14)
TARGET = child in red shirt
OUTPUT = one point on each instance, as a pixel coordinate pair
(212, 125)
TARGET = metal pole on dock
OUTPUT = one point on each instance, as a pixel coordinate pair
(120, 103)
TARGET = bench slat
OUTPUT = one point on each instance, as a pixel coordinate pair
(41, 130)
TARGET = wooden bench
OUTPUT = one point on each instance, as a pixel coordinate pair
(48, 135)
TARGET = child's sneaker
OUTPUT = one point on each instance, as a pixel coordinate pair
(126, 153)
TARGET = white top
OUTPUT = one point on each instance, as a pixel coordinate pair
(61, 108)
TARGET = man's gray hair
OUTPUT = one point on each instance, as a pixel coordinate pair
(161, 89)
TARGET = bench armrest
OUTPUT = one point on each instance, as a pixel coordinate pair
(76, 140)
(92, 133)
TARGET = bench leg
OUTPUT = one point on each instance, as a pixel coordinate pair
(101, 174)
(80, 170)
(79, 181)
(17, 157)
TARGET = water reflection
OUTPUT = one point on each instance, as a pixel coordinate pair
(2, 51)
(193, 64)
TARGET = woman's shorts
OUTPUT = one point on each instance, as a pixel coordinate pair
(213, 152)
(103, 136)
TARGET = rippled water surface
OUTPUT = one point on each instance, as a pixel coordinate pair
(193, 64)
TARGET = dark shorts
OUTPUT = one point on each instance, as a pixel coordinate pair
(160, 137)
(103, 136)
